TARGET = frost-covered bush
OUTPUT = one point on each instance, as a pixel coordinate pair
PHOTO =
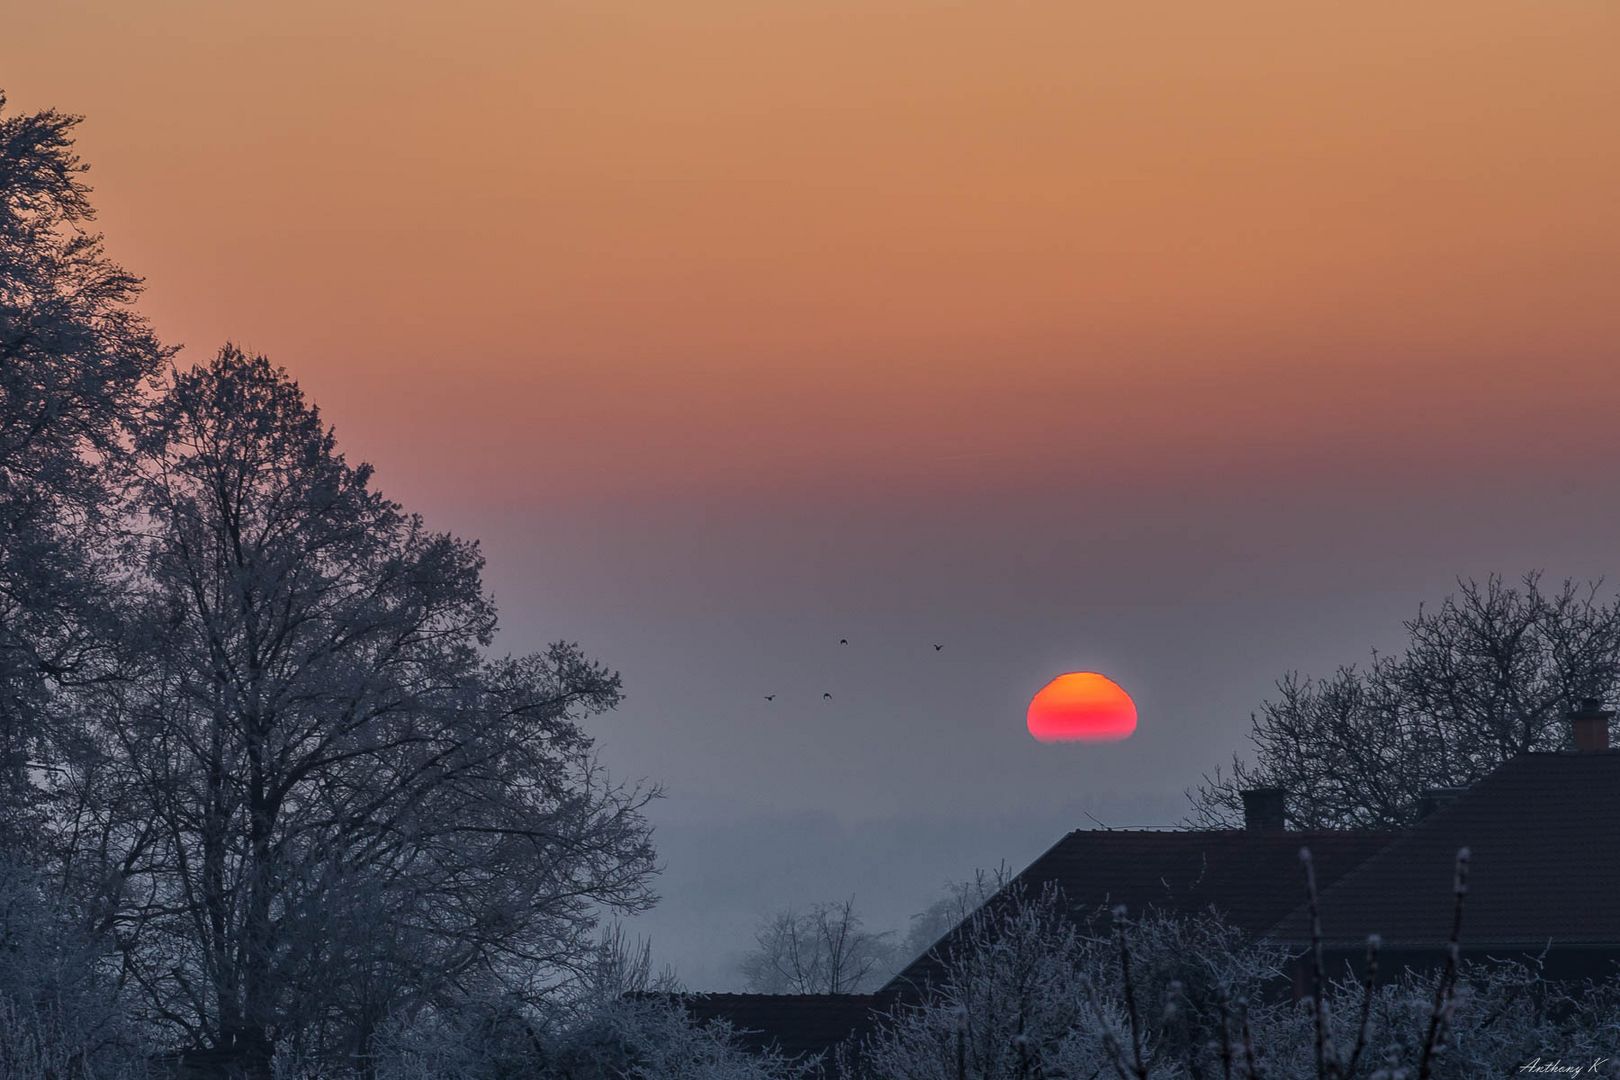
(482, 1038)
(60, 1015)
(654, 1039)
(1027, 989)
(1460, 1020)
(648, 1038)
(1503, 1015)
(619, 1023)
(1030, 990)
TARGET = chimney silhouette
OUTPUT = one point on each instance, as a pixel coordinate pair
(1264, 809)
(1590, 725)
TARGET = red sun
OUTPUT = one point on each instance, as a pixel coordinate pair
(1082, 706)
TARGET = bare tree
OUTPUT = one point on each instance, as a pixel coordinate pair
(310, 801)
(1487, 675)
(73, 355)
(955, 907)
(824, 950)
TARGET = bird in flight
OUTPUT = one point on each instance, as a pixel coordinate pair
(843, 641)
(826, 697)
(770, 697)
(938, 647)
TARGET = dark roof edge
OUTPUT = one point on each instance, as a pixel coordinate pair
(897, 984)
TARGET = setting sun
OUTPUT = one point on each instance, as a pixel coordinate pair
(1082, 706)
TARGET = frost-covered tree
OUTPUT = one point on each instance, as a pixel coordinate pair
(1487, 675)
(73, 356)
(823, 950)
(312, 800)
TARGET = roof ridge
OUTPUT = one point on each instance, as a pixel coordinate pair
(1488, 807)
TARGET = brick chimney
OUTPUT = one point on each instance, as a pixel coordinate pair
(1590, 724)
(1264, 809)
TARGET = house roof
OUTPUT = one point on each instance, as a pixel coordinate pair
(793, 1024)
(1543, 832)
(1253, 878)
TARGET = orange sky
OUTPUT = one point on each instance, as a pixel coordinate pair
(729, 244)
(1188, 342)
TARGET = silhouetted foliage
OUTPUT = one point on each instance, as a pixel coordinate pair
(309, 801)
(1489, 674)
(73, 356)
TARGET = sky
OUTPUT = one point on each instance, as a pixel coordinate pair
(1191, 343)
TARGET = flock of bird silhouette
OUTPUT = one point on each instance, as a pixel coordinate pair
(826, 695)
